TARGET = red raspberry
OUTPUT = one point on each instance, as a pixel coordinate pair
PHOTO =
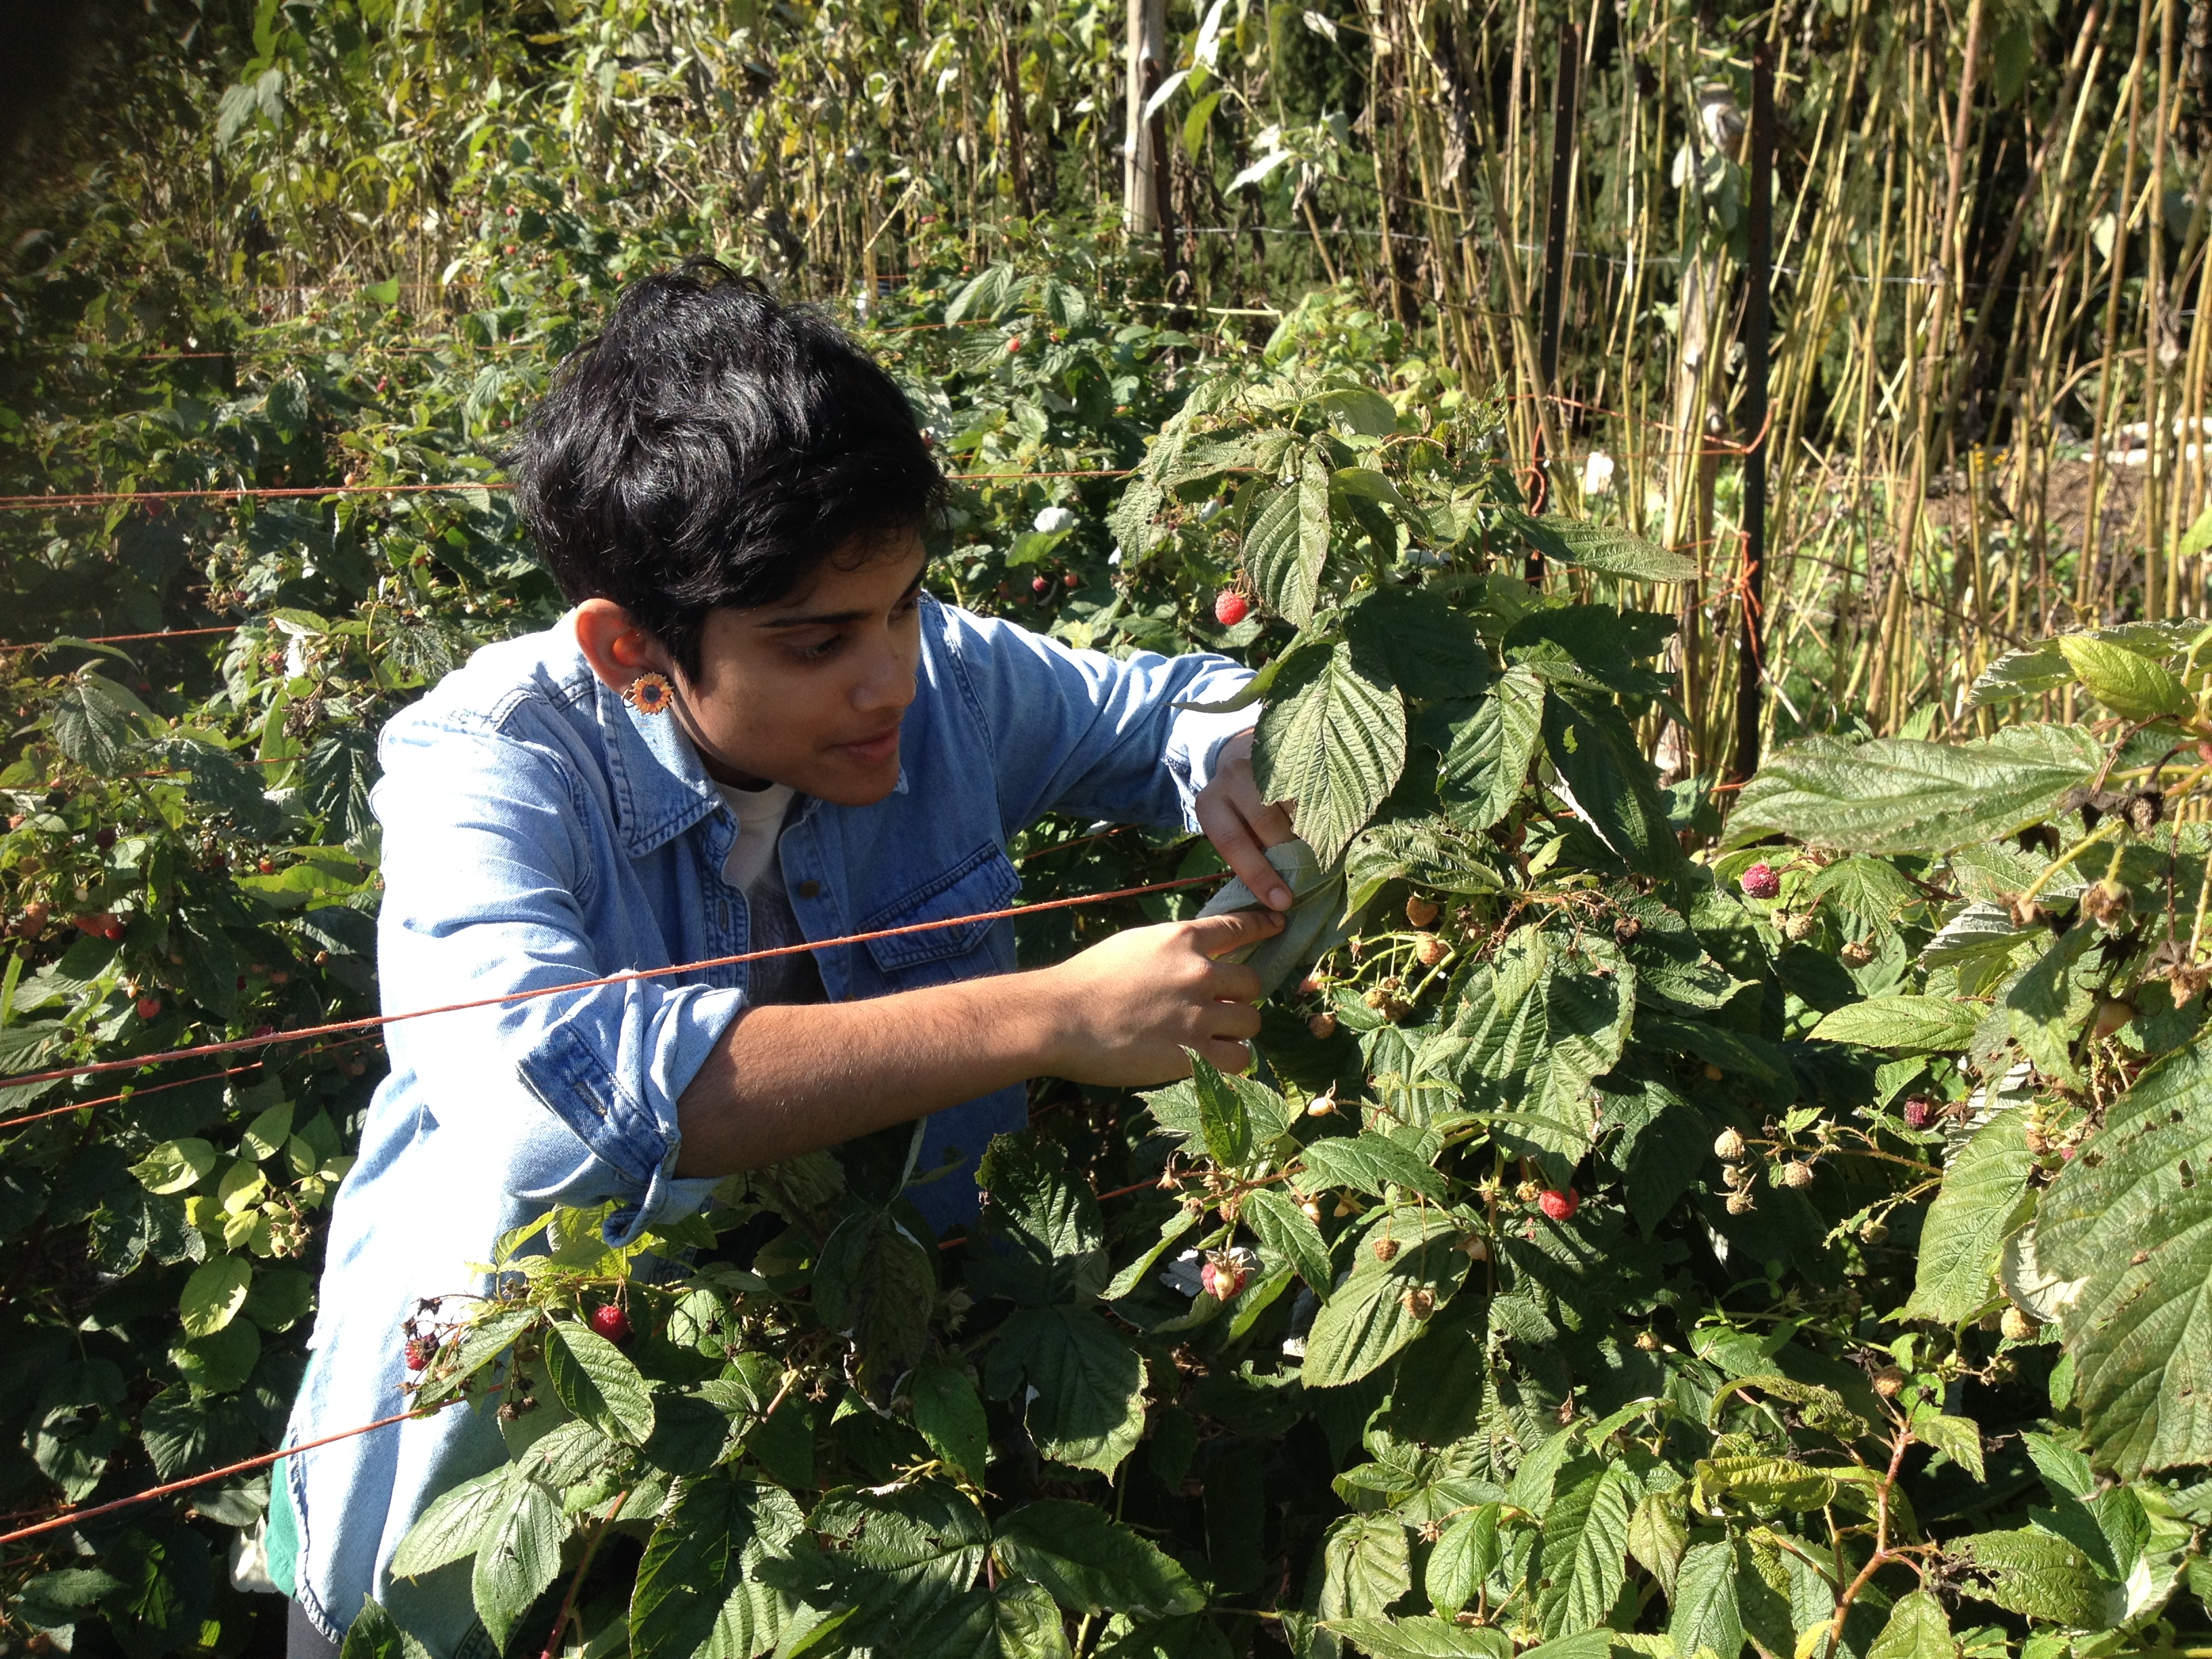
(611, 1322)
(1559, 1202)
(1760, 882)
(1916, 1113)
(1071, 579)
(419, 1351)
(1221, 1279)
(1231, 607)
(1040, 585)
(149, 1007)
(1013, 345)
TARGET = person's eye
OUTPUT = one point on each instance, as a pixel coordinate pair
(818, 652)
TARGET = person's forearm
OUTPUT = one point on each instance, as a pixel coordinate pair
(787, 1081)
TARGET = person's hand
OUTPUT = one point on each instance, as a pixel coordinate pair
(1243, 824)
(1123, 1012)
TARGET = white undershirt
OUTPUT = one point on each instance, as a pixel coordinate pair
(760, 817)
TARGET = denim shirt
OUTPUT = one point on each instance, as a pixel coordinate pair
(539, 832)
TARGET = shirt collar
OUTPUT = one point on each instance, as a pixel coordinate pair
(660, 788)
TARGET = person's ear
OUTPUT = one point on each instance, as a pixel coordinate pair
(618, 649)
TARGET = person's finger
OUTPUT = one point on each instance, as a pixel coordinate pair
(1232, 930)
(1235, 1020)
(1268, 822)
(1232, 838)
(1232, 982)
(1226, 1056)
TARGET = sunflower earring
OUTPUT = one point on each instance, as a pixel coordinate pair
(649, 693)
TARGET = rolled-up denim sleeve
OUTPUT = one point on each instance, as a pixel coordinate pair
(1085, 733)
(566, 1096)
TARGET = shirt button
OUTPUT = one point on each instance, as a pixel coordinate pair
(810, 890)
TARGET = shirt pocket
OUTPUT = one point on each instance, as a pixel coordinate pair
(983, 881)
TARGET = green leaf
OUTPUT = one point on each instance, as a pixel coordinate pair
(1371, 1162)
(1704, 1614)
(1616, 552)
(904, 1551)
(455, 1524)
(1221, 1121)
(374, 1634)
(1585, 1549)
(1763, 1482)
(1487, 760)
(1366, 1319)
(1958, 1438)
(595, 1379)
(1424, 1637)
(2130, 1219)
(876, 1283)
(1014, 1621)
(1918, 1628)
(2133, 687)
(214, 1293)
(1365, 1566)
(175, 1166)
(697, 1591)
(1125, 1283)
(2033, 1574)
(1427, 649)
(1289, 543)
(1984, 1197)
(1054, 1238)
(950, 1416)
(1287, 1231)
(1896, 795)
(1659, 1534)
(519, 1553)
(1466, 1555)
(1089, 1412)
(1091, 1563)
(1906, 1024)
(1332, 740)
(1607, 781)
(96, 722)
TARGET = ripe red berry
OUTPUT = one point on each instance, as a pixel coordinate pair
(1040, 585)
(149, 1007)
(1221, 1279)
(1916, 1113)
(267, 866)
(1559, 1202)
(1231, 607)
(419, 1351)
(1071, 579)
(1013, 345)
(611, 1322)
(1760, 882)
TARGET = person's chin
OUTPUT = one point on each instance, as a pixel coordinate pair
(860, 775)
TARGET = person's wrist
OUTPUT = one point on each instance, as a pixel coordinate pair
(1029, 1015)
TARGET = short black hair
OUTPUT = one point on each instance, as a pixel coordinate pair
(712, 446)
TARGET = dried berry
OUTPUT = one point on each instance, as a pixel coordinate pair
(1795, 1173)
(1422, 913)
(1857, 954)
(1385, 1248)
(1528, 1191)
(1761, 882)
(1418, 1301)
(1889, 1381)
(1231, 607)
(103, 838)
(1740, 1202)
(611, 1322)
(1475, 1248)
(1874, 1232)
(1322, 1025)
(2017, 1325)
(2106, 903)
(1627, 930)
(1647, 1341)
(1560, 1203)
(1728, 1145)
(1430, 951)
(1737, 1174)
(1917, 1112)
(1799, 926)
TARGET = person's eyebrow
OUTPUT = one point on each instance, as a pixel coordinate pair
(835, 618)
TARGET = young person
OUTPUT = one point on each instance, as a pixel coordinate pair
(753, 728)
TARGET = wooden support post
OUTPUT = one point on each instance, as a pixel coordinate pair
(1750, 666)
(1555, 266)
(1142, 162)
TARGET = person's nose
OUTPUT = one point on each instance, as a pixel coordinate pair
(890, 683)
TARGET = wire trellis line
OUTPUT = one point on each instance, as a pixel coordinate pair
(377, 1022)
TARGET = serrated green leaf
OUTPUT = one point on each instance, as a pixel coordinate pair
(1367, 1319)
(1585, 1550)
(1427, 649)
(2133, 687)
(1608, 781)
(1486, 761)
(1422, 1638)
(1703, 1611)
(697, 1591)
(1221, 1119)
(1366, 1565)
(1659, 1534)
(1983, 1194)
(1906, 1024)
(175, 1166)
(1918, 1628)
(903, 1551)
(950, 1416)
(2033, 1574)
(1370, 1162)
(595, 1379)
(1333, 741)
(1089, 1411)
(1288, 1232)
(517, 1557)
(96, 722)
(1013, 1621)
(454, 1525)
(876, 1283)
(214, 1293)
(1617, 552)
(1895, 795)
(1288, 544)
(1091, 1563)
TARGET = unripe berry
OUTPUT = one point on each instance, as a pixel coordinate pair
(611, 1322)
(149, 1007)
(1760, 882)
(1916, 1113)
(1740, 1202)
(1560, 1203)
(2112, 1013)
(1889, 1381)
(2017, 1325)
(1311, 1210)
(1221, 1279)
(1528, 1191)
(1728, 1146)
(1713, 1073)
(1231, 607)
(1430, 951)
(1321, 1106)
(1796, 1173)
(419, 1349)
(1071, 579)
(1013, 345)
(1385, 1248)
(1040, 585)
(1421, 912)
(1418, 1301)
(1647, 1341)
(1322, 1025)
(266, 866)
